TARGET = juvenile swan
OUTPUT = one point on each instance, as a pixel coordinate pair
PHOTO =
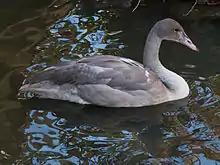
(113, 81)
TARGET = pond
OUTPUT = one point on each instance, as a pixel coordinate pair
(35, 35)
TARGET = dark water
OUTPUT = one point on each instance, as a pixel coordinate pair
(38, 34)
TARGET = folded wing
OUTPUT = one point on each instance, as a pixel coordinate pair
(102, 80)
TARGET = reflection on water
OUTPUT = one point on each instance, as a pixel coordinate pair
(55, 132)
(77, 36)
(60, 131)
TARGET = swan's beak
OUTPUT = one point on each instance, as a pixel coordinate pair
(185, 40)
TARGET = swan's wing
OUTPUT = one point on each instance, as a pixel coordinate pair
(106, 76)
(111, 70)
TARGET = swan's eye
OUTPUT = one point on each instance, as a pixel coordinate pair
(176, 30)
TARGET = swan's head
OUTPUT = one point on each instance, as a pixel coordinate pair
(169, 29)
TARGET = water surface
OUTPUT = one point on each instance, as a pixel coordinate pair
(55, 132)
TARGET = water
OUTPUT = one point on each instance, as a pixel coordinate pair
(54, 132)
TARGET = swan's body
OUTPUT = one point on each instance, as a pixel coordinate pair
(113, 81)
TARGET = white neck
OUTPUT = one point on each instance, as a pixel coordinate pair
(176, 85)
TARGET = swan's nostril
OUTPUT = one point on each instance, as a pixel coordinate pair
(190, 42)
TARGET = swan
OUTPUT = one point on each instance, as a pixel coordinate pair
(114, 81)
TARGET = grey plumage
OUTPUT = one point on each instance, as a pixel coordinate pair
(110, 77)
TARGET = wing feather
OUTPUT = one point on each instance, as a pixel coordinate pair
(115, 72)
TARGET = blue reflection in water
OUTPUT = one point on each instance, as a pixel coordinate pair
(76, 36)
(49, 140)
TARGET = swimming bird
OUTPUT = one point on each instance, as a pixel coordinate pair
(114, 81)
